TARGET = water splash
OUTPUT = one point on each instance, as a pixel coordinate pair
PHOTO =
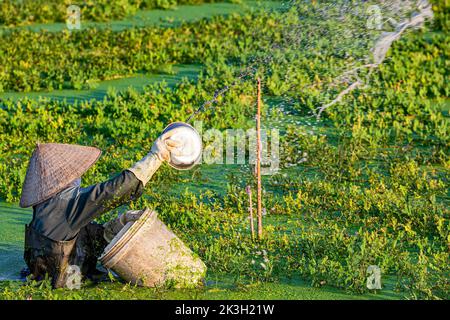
(349, 34)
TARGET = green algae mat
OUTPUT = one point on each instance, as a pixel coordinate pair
(12, 221)
(144, 18)
(162, 18)
(101, 89)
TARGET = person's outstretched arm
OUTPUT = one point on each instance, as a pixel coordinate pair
(88, 203)
(91, 202)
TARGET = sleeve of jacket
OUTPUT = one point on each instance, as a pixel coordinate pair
(91, 202)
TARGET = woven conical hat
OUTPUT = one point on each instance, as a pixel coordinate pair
(52, 167)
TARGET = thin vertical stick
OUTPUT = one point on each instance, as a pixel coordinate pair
(258, 160)
(250, 208)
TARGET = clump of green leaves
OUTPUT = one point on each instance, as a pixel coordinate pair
(20, 13)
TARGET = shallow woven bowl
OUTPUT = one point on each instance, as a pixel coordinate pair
(191, 141)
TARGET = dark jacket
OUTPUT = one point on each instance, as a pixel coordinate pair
(61, 232)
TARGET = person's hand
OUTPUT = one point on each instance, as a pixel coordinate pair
(113, 227)
(164, 146)
(130, 216)
(161, 151)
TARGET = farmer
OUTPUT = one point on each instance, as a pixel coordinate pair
(62, 232)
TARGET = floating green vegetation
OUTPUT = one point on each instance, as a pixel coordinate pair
(216, 288)
(172, 75)
(13, 13)
(76, 60)
(366, 185)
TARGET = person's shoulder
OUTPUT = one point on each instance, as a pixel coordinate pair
(67, 194)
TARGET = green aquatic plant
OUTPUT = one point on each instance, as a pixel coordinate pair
(13, 13)
(366, 185)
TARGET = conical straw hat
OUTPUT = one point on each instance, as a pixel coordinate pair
(52, 167)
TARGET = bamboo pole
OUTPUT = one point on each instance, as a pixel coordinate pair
(258, 161)
(250, 208)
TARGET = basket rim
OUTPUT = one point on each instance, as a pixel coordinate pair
(115, 250)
